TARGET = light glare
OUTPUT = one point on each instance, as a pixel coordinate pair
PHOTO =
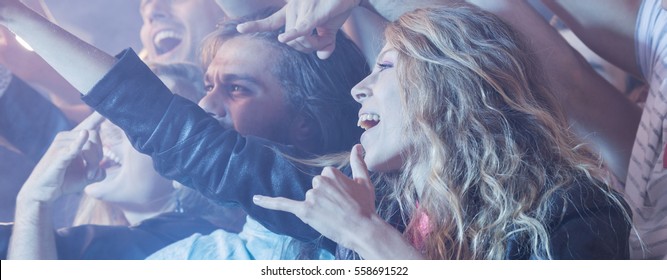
(23, 43)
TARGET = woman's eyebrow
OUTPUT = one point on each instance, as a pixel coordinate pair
(382, 54)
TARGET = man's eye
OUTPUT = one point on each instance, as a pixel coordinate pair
(237, 90)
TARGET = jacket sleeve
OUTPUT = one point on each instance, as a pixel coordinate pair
(189, 146)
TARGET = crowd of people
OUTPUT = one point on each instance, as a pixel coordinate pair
(347, 129)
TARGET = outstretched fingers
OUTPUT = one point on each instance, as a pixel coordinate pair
(280, 204)
(272, 22)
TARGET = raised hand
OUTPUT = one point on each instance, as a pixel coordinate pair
(70, 163)
(337, 206)
(309, 25)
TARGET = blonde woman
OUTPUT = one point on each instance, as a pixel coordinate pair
(489, 171)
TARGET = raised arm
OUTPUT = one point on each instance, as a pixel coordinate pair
(606, 27)
(81, 64)
(32, 69)
(366, 29)
(70, 164)
(597, 112)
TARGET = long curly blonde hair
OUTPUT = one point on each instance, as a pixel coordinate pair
(492, 146)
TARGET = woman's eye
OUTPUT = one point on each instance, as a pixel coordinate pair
(384, 66)
(208, 88)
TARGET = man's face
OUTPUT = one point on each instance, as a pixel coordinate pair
(173, 29)
(242, 92)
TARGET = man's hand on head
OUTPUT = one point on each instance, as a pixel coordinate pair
(309, 25)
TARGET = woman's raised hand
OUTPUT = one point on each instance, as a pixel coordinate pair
(70, 163)
(337, 206)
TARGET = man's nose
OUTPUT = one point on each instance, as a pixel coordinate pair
(211, 105)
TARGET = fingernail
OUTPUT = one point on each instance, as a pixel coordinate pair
(360, 149)
(256, 198)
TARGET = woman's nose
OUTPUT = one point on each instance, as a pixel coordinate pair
(361, 91)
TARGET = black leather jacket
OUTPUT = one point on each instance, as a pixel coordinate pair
(191, 147)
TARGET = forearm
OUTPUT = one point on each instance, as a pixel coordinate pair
(81, 64)
(598, 112)
(606, 27)
(31, 68)
(59, 91)
(378, 240)
(366, 24)
(32, 236)
(366, 29)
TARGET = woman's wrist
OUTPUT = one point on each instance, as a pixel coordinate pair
(31, 196)
(377, 239)
(370, 237)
